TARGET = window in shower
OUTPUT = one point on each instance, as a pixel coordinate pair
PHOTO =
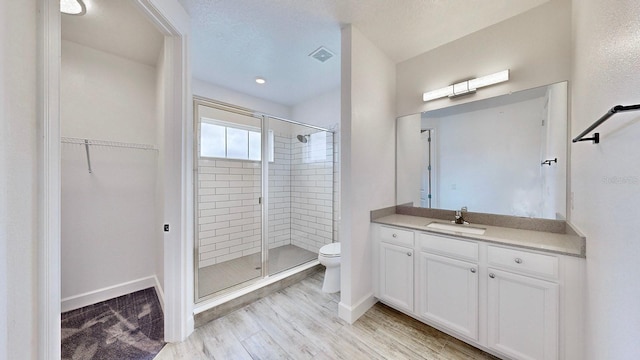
(221, 139)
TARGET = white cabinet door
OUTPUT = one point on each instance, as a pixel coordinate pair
(522, 316)
(447, 293)
(396, 275)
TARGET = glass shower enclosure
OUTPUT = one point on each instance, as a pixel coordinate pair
(257, 215)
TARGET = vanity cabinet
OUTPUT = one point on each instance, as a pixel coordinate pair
(507, 300)
(396, 264)
(447, 283)
(522, 317)
(448, 293)
(522, 314)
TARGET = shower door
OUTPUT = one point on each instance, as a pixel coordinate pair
(228, 187)
(300, 194)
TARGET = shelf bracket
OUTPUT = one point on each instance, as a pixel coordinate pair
(86, 147)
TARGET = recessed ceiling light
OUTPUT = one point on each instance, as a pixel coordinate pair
(73, 7)
(260, 80)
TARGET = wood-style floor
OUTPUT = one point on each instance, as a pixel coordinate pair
(301, 322)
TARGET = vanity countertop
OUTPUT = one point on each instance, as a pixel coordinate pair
(565, 244)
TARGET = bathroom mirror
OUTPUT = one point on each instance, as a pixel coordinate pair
(505, 155)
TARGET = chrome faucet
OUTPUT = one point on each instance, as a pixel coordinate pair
(459, 218)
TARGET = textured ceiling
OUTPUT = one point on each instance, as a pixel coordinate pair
(116, 27)
(234, 41)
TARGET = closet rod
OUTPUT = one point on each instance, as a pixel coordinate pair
(610, 113)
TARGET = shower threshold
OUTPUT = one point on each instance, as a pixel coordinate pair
(231, 299)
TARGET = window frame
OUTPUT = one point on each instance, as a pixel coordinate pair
(248, 128)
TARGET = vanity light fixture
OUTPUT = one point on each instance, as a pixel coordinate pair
(73, 7)
(260, 80)
(466, 87)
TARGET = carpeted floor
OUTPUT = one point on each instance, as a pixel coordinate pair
(129, 327)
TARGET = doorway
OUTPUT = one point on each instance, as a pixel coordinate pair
(174, 26)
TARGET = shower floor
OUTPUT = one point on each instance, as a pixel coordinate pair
(214, 278)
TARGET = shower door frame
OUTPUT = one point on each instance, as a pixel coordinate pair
(197, 101)
(264, 196)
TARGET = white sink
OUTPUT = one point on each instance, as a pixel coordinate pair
(465, 229)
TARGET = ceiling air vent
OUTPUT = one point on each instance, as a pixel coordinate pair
(322, 54)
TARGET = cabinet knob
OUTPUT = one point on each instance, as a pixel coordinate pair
(408, 253)
(518, 260)
(395, 235)
(492, 275)
(473, 270)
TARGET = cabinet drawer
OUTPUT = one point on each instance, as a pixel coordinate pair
(524, 261)
(396, 236)
(466, 250)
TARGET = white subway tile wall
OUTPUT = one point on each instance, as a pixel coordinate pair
(312, 184)
(280, 193)
(228, 209)
(301, 196)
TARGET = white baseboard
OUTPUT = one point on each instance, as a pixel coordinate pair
(96, 296)
(351, 313)
(191, 323)
(159, 291)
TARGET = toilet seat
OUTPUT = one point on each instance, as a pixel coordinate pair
(330, 250)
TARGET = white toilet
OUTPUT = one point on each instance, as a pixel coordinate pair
(329, 256)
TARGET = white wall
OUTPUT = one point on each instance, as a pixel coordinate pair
(109, 216)
(18, 181)
(322, 110)
(606, 177)
(367, 165)
(535, 45)
(218, 93)
(106, 96)
(409, 159)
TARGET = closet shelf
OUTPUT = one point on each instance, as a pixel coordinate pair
(87, 142)
(78, 141)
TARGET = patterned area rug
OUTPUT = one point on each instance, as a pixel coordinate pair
(128, 327)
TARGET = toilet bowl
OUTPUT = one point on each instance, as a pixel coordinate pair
(329, 256)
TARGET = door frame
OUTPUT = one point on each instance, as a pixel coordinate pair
(171, 19)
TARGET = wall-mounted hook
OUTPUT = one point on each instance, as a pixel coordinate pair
(548, 162)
